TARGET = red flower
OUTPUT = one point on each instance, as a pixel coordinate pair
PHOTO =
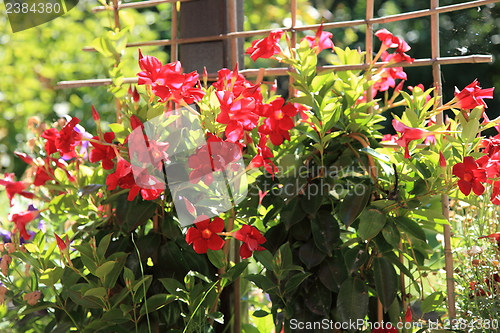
(238, 113)
(322, 40)
(63, 141)
(388, 76)
(21, 220)
(408, 315)
(389, 138)
(251, 238)
(103, 153)
(391, 41)
(267, 47)
(167, 81)
(491, 145)
(494, 237)
(62, 244)
(132, 92)
(442, 160)
(204, 236)
(495, 195)
(471, 176)
(263, 157)
(42, 176)
(149, 186)
(409, 134)
(216, 155)
(472, 96)
(237, 84)
(12, 187)
(278, 120)
(95, 114)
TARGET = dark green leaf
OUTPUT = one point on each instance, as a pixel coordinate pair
(355, 258)
(261, 281)
(265, 258)
(260, 313)
(386, 281)
(318, 299)
(371, 221)
(295, 281)
(411, 227)
(354, 203)
(116, 316)
(326, 231)
(292, 212)
(352, 300)
(310, 255)
(156, 302)
(119, 258)
(313, 197)
(217, 258)
(237, 269)
(391, 234)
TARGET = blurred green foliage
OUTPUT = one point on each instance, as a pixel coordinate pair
(34, 60)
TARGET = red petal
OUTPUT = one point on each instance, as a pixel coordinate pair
(245, 251)
(215, 242)
(217, 225)
(192, 235)
(200, 246)
(464, 186)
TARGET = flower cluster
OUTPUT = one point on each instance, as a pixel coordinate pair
(205, 235)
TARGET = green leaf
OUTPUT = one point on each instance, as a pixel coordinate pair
(217, 258)
(260, 313)
(119, 258)
(326, 231)
(431, 302)
(97, 292)
(116, 316)
(51, 276)
(174, 287)
(104, 269)
(318, 299)
(355, 258)
(295, 281)
(292, 212)
(354, 203)
(156, 302)
(386, 281)
(313, 197)
(103, 245)
(391, 234)
(237, 269)
(376, 154)
(38, 307)
(261, 281)
(310, 255)
(352, 300)
(411, 227)
(371, 222)
(265, 258)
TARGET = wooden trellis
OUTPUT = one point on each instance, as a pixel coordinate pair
(435, 62)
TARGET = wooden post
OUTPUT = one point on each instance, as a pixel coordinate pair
(448, 256)
(205, 18)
